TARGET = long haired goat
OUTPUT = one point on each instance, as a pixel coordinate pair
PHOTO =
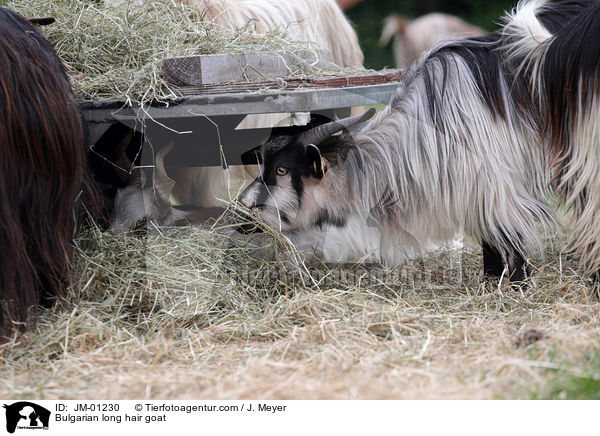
(470, 142)
(41, 170)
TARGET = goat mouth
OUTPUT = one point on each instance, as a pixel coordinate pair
(248, 223)
(249, 228)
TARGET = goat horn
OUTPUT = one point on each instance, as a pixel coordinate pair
(163, 185)
(123, 163)
(324, 131)
(37, 22)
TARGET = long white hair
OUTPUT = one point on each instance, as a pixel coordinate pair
(320, 22)
(477, 133)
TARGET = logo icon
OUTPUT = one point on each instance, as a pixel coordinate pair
(26, 415)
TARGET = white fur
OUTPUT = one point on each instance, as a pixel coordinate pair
(133, 205)
(583, 175)
(356, 241)
(412, 38)
(473, 173)
(320, 22)
(522, 31)
(525, 37)
(211, 186)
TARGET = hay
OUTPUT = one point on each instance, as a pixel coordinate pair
(113, 51)
(193, 313)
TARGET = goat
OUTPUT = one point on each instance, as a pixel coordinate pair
(318, 22)
(139, 202)
(471, 142)
(41, 171)
(412, 38)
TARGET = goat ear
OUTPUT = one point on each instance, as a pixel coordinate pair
(252, 157)
(392, 25)
(124, 166)
(316, 165)
(37, 22)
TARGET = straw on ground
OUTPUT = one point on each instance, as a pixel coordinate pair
(191, 313)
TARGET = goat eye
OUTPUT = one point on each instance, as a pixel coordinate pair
(281, 171)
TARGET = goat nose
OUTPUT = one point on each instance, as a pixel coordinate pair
(249, 196)
(248, 204)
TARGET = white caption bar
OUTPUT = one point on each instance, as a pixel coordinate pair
(210, 417)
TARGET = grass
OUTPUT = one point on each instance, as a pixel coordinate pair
(194, 313)
(572, 379)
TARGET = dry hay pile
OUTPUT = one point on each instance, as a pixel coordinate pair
(192, 313)
(115, 50)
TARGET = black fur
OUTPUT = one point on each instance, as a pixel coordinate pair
(569, 59)
(481, 54)
(494, 263)
(326, 218)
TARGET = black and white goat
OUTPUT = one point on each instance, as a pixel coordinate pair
(471, 142)
(148, 202)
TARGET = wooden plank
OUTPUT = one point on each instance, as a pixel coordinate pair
(246, 67)
(377, 78)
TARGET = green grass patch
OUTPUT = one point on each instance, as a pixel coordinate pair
(575, 380)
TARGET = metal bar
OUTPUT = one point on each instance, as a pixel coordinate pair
(305, 100)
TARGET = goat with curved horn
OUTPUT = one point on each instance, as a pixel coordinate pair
(318, 134)
(163, 185)
(475, 139)
(138, 203)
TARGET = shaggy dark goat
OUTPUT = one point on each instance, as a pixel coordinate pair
(41, 171)
(470, 143)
